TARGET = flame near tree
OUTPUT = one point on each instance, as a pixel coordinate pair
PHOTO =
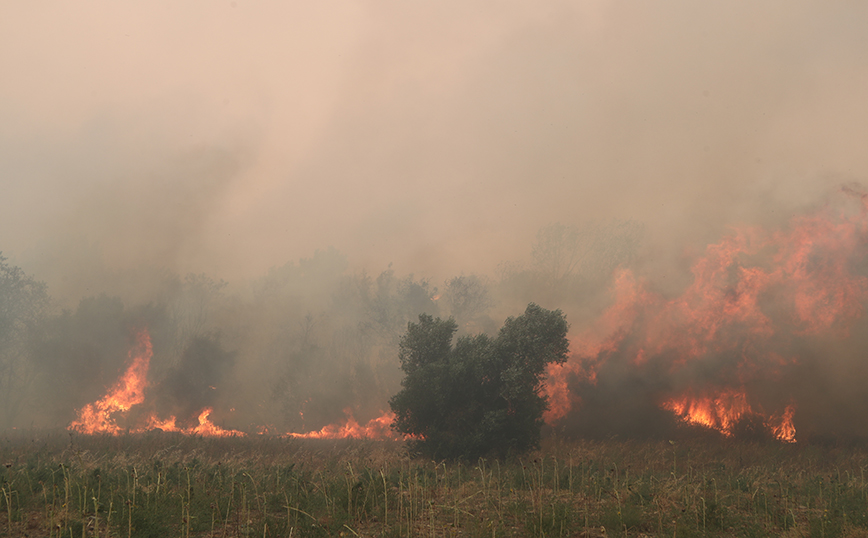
(711, 354)
(101, 416)
(720, 355)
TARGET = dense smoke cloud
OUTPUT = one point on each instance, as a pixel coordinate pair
(230, 138)
(772, 322)
(287, 185)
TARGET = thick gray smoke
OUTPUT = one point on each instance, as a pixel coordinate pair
(767, 340)
(275, 190)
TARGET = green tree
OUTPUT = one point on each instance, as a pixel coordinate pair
(481, 396)
(24, 302)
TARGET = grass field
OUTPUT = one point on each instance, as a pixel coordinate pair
(169, 485)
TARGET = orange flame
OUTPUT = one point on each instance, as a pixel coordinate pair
(128, 391)
(155, 423)
(205, 428)
(785, 431)
(557, 393)
(721, 412)
(377, 428)
(806, 269)
(99, 417)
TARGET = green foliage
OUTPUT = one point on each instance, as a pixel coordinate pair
(558, 519)
(481, 396)
(147, 524)
(24, 302)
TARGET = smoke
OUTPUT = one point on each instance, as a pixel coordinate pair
(147, 151)
(772, 322)
(192, 384)
(436, 137)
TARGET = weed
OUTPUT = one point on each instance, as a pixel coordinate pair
(170, 485)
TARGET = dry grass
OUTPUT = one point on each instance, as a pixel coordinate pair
(156, 485)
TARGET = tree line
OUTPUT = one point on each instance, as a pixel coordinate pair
(291, 349)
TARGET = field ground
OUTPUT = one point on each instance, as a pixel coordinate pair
(167, 485)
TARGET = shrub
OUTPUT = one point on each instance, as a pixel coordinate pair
(481, 396)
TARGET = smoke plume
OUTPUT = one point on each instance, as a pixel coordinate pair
(273, 191)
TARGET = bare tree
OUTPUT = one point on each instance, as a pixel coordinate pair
(466, 297)
(189, 304)
(591, 250)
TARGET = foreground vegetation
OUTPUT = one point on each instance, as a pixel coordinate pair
(159, 485)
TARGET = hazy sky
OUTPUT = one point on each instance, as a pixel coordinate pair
(229, 137)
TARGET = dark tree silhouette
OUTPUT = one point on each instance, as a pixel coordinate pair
(482, 396)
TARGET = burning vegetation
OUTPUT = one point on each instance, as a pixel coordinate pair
(764, 340)
(102, 416)
(769, 319)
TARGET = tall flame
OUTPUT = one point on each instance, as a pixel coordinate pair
(784, 429)
(754, 297)
(101, 416)
(129, 390)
